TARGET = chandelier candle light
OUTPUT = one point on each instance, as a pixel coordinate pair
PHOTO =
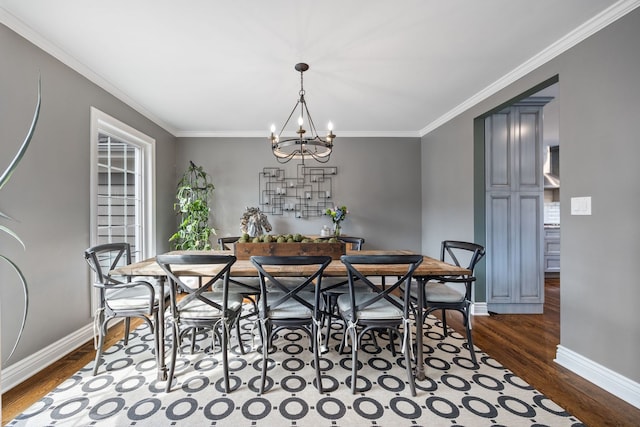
(301, 146)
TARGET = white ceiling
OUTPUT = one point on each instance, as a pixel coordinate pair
(377, 67)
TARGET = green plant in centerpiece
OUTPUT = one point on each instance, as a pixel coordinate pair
(337, 214)
(3, 180)
(192, 204)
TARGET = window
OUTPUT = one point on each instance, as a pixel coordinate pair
(122, 185)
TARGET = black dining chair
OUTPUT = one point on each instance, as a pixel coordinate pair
(217, 310)
(120, 297)
(380, 309)
(248, 287)
(333, 287)
(285, 305)
(454, 292)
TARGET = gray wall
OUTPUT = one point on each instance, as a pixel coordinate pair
(599, 89)
(378, 180)
(49, 192)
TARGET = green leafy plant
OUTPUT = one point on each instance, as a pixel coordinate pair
(3, 180)
(192, 204)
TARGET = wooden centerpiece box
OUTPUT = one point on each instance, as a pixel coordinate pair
(247, 250)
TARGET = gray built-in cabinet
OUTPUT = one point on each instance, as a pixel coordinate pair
(514, 192)
(552, 249)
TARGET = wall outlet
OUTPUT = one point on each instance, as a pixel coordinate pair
(581, 205)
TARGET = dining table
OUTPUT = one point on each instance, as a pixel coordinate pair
(429, 269)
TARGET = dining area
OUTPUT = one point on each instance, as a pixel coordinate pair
(272, 295)
(316, 332)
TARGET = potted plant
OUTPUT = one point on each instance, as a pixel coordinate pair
(192, 204)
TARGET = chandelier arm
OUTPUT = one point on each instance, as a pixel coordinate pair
(312, 125)
(288, 118)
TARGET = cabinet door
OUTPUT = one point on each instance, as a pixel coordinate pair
(552, 250)
(514, 217)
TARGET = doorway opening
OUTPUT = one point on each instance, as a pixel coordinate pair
(482, 219)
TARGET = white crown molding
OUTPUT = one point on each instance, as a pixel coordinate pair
(592, 26)
(605, 378)
(609, 15)
(265, 134)
(28, 33)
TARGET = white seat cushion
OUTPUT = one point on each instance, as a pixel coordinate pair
(379, 310)
(254, 282)
(136, 298)
(291, 309)
(441, 292)
(287, 282)
(198, 309)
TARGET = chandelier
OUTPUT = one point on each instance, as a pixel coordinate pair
(302, 146)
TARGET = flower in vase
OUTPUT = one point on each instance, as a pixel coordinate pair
(337, 214)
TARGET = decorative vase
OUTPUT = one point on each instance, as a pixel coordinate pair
(336, 230)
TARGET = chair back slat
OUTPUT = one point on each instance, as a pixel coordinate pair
(351, 262)
(106, 257)
(288, 293)
(225, 242)
(452, 252)
(221, 264)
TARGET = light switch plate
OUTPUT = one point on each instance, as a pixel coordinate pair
(581, 206)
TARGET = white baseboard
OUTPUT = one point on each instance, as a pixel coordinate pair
(479, 309)
(603, 377)
(24, 369)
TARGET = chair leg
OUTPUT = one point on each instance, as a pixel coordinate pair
(225, 356)
(467, 322)
(156, 336)
(343, 341)
(101, 334)
(264, 334)
(127, 326)
(444, 322)
(174, 354)
(331, 309)
(193, 340)
(238, 332)
(354, 361)
(407, 362)
(316, 356)
(392, 341)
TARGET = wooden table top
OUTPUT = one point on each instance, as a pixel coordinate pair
(244, 268)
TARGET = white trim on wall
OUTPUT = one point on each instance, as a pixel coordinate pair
(102, 122)
(25, 31)
(30, 365)
(609, 15)
(603, 377)
(479, 309)
(595, 24)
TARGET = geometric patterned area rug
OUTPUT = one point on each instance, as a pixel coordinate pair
(126, 392)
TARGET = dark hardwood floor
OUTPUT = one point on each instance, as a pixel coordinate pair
(525, 344)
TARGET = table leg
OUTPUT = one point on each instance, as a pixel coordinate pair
(420, 375)
(162, 366)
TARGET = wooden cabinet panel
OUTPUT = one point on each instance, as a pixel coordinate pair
(498, 265)
(552, 250)
(514, 209)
